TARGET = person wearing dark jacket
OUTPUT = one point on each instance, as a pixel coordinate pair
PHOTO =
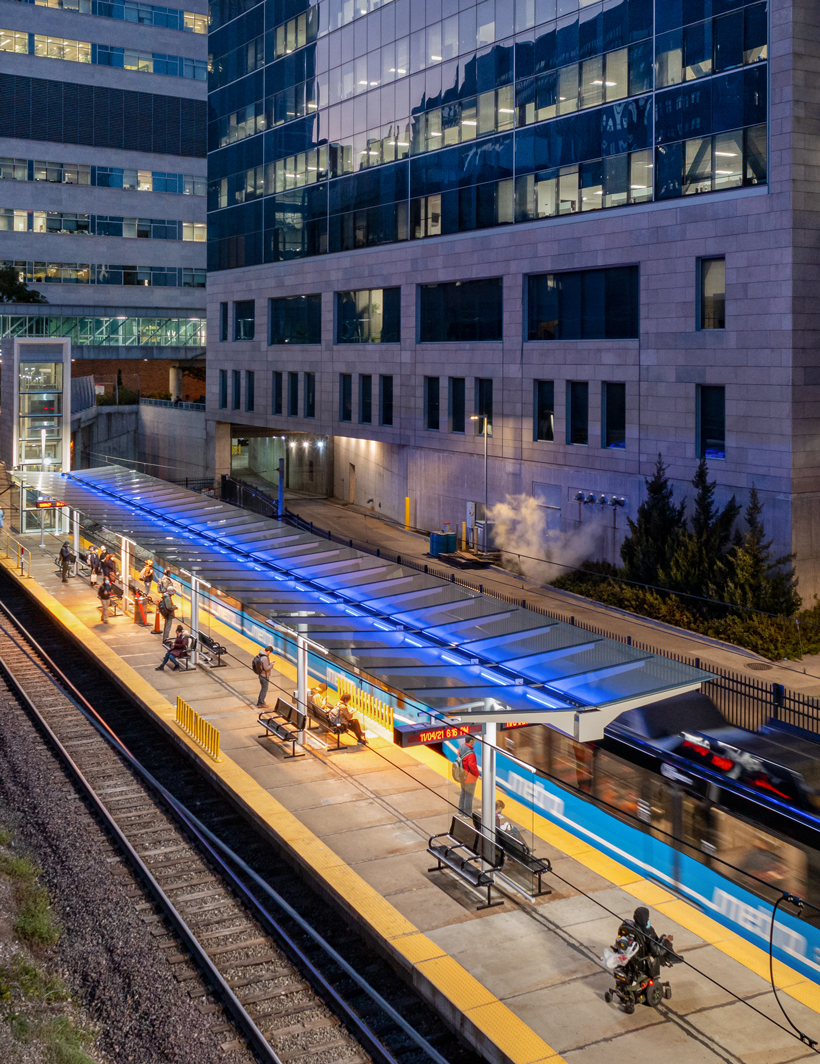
(65, 560)
(93, 559)
(109, 567)
(176, 650)
(104, 595)
(343, 714)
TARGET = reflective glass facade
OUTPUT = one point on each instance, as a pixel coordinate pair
(337, 126)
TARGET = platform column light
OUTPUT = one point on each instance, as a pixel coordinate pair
(195, 615)
(75, 526)
(125, 570)
(488, 740)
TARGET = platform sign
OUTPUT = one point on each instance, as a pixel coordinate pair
(49, 504)
(419, 735)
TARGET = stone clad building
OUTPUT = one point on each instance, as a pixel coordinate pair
(591, 223)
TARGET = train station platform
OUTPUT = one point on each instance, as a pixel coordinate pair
(522, 981)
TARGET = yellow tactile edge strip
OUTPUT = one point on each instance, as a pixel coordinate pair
(487, 1022)
(788, 981)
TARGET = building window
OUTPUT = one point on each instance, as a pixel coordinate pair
(345, 397)
(457, 406)
(223, 389)
(276, 392)
(368, 316)
(385, 400)
(483, 404)
(296, 320)
(293, 394)
(460, 311)
(249, 390)
(577, 412)
(243, 319)
(711, 421)
(543, 418)
(431, 403)
(712, 310)
(237, 389)
(223, 321)
(613, 415)
(584, 305)
(365, 399)
(310, 395)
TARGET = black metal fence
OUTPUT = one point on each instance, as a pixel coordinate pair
(745, 701)
(248, 496)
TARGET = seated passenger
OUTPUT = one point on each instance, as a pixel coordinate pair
(176, 650)
(343, 714)
(502, 824)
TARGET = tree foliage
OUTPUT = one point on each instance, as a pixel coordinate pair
(13, 290)
(653, 536)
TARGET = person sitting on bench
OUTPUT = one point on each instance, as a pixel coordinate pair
(502, 824)
(176, 650)
(343, 714)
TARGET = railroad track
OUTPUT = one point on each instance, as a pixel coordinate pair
(214, 916)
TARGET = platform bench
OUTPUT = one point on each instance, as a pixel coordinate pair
(322, 718)
(518, 851)
(184, 661)
(284, 722)
(214, 648)
(462, 849)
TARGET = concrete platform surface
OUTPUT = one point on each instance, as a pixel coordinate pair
(523, 981)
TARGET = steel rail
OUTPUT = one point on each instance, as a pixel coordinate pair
(211, 843)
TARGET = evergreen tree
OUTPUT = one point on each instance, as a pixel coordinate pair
(654, 535)
(13, 290)
(759, 580)
(702, 563)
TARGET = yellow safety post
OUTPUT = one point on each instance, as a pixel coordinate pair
(407, 511)
(203, 733)
(464, 535)
(367, 704)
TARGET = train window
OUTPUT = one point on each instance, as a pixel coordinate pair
(757, 857)
(618, 784)
(572, 763)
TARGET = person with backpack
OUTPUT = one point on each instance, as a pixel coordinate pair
(104, 595)
(263, 667)
(108, 565)
(65, 560)
(147, 576)
(167, 608)
(465, 773)
(93, 559)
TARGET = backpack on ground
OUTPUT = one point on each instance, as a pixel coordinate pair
(257, 665)
(458, 770)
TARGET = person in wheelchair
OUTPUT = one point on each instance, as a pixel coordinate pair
(636, 960)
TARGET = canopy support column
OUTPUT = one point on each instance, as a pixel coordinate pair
(488, 737)
(75, 525)
(194, 616)
(301, 679)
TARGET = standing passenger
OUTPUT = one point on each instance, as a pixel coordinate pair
(167, 608)
(263, 667)
(104, 595)
(93, 559)
(466, 756)
(65, 560)
(147, 575)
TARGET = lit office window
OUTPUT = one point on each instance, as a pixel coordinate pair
(386, 399)
(365, 398)
(613, 415)
(711, 421)
(244, 312)
(543, 418)
(431, 403)
(712, 293)
(577, 412)
(345, 397)
(369, 316)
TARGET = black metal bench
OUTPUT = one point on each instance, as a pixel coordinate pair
(462, 849)
(283, 722)
(215, 649)
(518, 851)
(322, 718)
(185, 658)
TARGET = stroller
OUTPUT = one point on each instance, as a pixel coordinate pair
(636, 960)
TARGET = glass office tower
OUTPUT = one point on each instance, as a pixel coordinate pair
(575, 222)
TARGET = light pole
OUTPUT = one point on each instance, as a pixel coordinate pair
(483, 417)
(43, 467)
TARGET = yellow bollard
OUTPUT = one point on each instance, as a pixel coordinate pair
(201, 731)
(407, 511)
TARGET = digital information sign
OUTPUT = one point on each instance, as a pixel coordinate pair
(413, 735)
(49, 504)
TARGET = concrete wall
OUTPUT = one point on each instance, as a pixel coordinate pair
(172, 443)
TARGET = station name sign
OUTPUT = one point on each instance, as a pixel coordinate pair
(49, 504)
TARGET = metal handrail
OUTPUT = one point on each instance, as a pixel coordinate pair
(20, 553)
